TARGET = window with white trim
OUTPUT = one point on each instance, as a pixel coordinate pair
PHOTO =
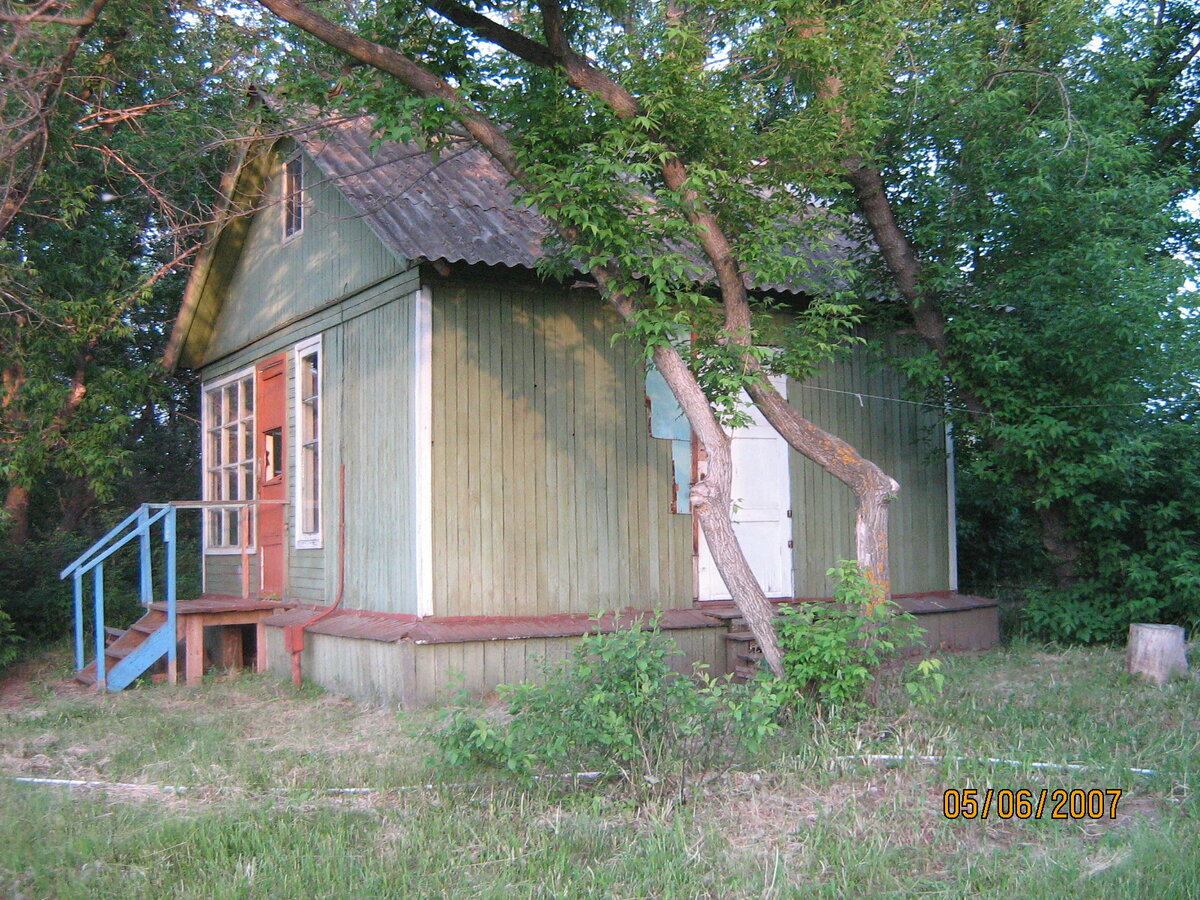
(293, 197)
(228, 419)
(308, 446)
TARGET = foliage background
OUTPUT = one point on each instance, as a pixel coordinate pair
(1040, 156)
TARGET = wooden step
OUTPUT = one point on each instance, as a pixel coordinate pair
(128, 641)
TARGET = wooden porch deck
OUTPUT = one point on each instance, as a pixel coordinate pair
(218, 611)
(931, 608)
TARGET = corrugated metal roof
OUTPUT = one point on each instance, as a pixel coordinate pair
(458, 207)
(462, 206)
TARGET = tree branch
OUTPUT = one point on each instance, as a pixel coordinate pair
(16, 195)
(1178, 132)
(870, 484)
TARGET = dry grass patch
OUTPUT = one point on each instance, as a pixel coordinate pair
(258, 819)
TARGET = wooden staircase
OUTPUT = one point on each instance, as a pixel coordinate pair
(132, 653)
(166, 623)
(743, 656)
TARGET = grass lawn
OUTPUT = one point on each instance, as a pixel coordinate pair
(258, 819)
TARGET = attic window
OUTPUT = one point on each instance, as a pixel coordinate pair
(293, 197)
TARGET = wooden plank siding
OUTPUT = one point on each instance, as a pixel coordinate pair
(371, 384)
(366, 365)
(401, 672)
(223, 573)
(335, 255)
(907, 441)
(549, 495)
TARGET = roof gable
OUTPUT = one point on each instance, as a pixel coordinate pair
(459, 206)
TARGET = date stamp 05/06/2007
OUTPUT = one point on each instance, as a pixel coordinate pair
(982, 803)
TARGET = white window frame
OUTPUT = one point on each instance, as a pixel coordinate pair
(289, 195)
(311, 540)
(206, 491)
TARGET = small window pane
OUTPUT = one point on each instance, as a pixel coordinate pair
(229, 412)
(293, 197)
(308, 423)
(308, 376)
(311, 493)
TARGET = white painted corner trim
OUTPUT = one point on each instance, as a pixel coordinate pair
(314, 540)
(422, 386)
(951, 508)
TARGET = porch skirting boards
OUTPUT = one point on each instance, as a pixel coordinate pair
(402, 660)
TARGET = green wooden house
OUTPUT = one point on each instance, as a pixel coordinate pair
(459, 453)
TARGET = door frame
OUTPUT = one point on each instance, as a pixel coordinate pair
(710, 587)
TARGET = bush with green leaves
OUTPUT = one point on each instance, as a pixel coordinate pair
(832, 650)
(35, 607)
(1136, 523)
(618, 708)
(9, 640)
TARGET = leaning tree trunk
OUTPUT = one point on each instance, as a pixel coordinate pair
(16, 508)
(712, 501)
(872, 487)
(930, 326)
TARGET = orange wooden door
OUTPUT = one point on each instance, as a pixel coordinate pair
(271, 410)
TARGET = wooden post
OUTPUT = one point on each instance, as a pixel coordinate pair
(193, 666)
(244, 528)
(1156, 651)
(169, 534)
(260, 647)
(231, 646)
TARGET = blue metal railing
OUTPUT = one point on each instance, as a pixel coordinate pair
(138, 525)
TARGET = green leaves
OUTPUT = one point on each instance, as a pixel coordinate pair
(615, 707)
(831, 650)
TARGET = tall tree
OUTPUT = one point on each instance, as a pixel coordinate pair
(1027, 215)
(105, 185)
(1017, 165)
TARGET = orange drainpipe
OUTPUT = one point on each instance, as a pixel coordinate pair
(293, 635)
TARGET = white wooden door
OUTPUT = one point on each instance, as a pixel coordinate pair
(761, 498)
